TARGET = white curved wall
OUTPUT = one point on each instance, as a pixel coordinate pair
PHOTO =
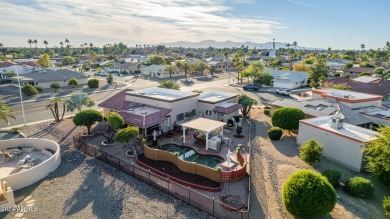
(22, 179)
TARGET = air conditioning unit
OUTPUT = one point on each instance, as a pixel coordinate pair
(337, 123)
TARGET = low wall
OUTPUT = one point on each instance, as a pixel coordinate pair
(25, 178)
(184, 166)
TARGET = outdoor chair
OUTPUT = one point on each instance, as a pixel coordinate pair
(8, 156)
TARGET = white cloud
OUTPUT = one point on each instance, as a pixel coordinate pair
(131, 21)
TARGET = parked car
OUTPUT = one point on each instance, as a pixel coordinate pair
(251, 87)
(285, 92)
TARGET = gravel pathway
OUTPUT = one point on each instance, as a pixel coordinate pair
(83, 187)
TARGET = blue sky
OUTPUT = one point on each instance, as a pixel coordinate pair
(339, 24)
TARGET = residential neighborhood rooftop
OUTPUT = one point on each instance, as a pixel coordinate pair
(346, 95)
(348, 130)
(316, 107)
(162, 93)
(49, 75)
(215, 96)
(294, 76)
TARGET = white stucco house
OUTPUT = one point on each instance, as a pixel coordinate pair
(17, 67)
(288, 79)
(157, 71)
(343, 143)
(160, 109)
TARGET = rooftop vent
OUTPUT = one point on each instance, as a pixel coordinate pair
(336, 123)
(144, 112)
(142, 93)
(154, 93)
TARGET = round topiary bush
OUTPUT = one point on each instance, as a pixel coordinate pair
(29, 90)
(275, 133)
(333, 177)
(386, 206)
(307, 194)
(287, 118)
(359, 187)
(311, 151)
(93, 83)
(39, 88)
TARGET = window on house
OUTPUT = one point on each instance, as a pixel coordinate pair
(180, 117)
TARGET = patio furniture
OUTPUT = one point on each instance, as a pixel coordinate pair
(8, 156)
(17, 153)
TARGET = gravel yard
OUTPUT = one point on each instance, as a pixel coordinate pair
(83, 187)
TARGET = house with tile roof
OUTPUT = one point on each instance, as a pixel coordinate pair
(161, 109)
(355, 71)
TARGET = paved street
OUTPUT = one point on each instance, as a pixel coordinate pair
(36, 111)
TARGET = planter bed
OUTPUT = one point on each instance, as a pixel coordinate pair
(171, 170)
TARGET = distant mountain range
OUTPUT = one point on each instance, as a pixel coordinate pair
(229, 44)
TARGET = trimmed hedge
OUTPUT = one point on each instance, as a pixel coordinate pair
(29, 90)
(359, 187)
(93, 83)
(287, 118)
(333, 177)
(386, 206)
(275, 133)
(308, 194)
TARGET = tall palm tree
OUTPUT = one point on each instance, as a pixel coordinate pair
(5, 112)
(36, 48)
(185, 66)
(226, 55)
(362, 46)
(30, 41)
(77, 101)
(46, 43)
(288, 46)
(62, 44)
(170, 69)
(53, 106)
(295, 44)
(67, 42)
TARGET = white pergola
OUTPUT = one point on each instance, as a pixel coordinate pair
(205, 125)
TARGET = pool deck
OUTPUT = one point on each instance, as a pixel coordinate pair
(10, 167)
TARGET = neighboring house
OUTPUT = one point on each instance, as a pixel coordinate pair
(349, 98)
(355, 71)
(216, 64)
(364, 84)
(336, 64)
(268, 54)
(21, 67)
(288, 79)
(46, 77)
(343, 143)
(157, 71)
(160, 109)
(252, 59)
(127, 66)
(312, 108)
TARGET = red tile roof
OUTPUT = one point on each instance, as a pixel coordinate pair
(119, 103)
(378, 87)
(7, 64)
(359, 70)
(227, 110)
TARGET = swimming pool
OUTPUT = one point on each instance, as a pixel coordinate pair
(190, 155)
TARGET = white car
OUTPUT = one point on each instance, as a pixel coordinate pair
(285, 92)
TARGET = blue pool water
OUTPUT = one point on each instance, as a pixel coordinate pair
(190, 155)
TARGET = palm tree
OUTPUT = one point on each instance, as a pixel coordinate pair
(226, 55)
(168, 84)
(288, 46)
(46, 43)
(61, 43)
(362, 46)
(295, 44)
(30, 41)
(77, 101)
(67, 42)
(170, 69)
(185, 66)
(36, 48)
(1, 45)
(53, 106)
(5, 112)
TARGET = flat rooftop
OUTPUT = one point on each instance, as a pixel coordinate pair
(216, 96)
(143, 111)
(345, 94)
(162, 94)
(348, 130)
(314, 107)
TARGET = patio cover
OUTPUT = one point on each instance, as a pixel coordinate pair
(205, 125)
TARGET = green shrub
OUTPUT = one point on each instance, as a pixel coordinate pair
(333, 177)
(359, 187)
(29, 90)
(267, 111)
(93, 83)
(14, 130)
(39, 88)
(337, 74)
(386, 206)
(275, 133)
(73, 82)
(311, 151)
(267, 107)
(287, 118)
(87, 118)
(307, 194)
(55, 86)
